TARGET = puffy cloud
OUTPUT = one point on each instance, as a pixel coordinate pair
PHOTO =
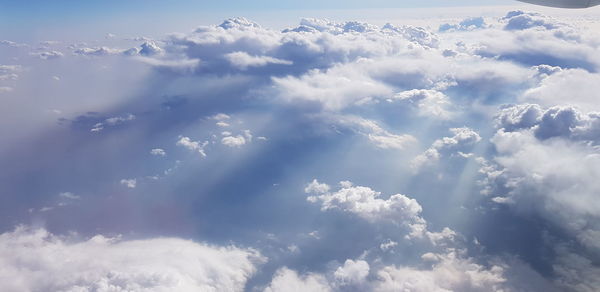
(193, 145)
(567, 122)
(352, 272)
(465, 25)
(150, 48)
(458, 145)
(287, 280)
(233, 141)
(130, 183)
(36, 260)
(315, 187)
(366, 203)
(575, 87)
(9, 72)
(451, 272)
(519, 20)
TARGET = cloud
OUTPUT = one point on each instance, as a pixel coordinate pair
(233, 141)
(158, 152)
(317, 188)
(36, 260)
(69, 195)
(243, 60)
(367, 204)
(337, 100)
(48, 55)
(451, 272)
(429, 102)
(376, 135)
(458, 145)
(287, 280)
(4, 89)
(465, 25)
(192, 145)
(97, 51)
(113, 121)
(130, 183)
(150, 48)
(352, 272)
(520, 20)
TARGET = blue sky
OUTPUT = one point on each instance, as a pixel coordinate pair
(273, 146)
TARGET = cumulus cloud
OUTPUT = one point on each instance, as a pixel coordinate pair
(130, 183)
(150, 48)
(450, 273)
(288, 280)
(366, 203)
(315, 187)
(36, 260)
(193, 145)
(233, 141)
(458, 145)
(352, 272)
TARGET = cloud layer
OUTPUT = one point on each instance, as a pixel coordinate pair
(467, 158)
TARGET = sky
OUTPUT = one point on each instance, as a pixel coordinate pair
(315, 146)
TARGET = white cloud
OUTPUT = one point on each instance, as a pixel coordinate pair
(69, 195)
(233, 141)
(458, 145)
(193, 145)
(97, 51)
(450, 273)
(317, 188)
(113, 121)
(220, 117)
(35, 260)
(352, 272)
(150, 48)
(48, 55)
(574, 87)
(377, 135)
(130, 183)
(429, 102)
(286, 280)
(158, 152)
(4, 89)
(243, 60)
(366, 203)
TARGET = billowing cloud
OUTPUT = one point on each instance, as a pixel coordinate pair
(36, 260)
(458, 145)
(366, 203)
